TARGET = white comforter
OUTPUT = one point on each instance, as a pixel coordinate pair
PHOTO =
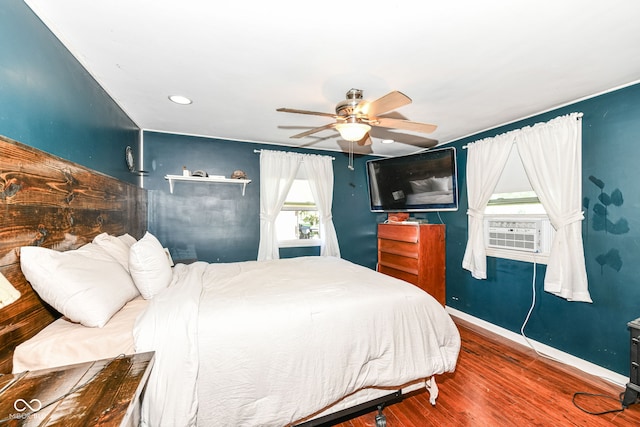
(269, 343)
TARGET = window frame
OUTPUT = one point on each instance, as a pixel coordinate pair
(293, 206)
(525, 196)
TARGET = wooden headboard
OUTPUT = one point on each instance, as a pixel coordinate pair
(51, 202)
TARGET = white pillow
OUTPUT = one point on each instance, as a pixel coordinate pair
(86, 285)
(115, 247)
(128, 239)
(149, 266)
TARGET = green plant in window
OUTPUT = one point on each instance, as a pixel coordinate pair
(308, 222)
(310, 218)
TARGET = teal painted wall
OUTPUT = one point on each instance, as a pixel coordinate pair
(595, 332)
(221, 224)
(49, 101)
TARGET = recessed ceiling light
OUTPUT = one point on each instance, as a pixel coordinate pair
(179, 99)
(387, 141)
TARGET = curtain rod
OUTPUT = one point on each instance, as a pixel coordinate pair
(332, 158)
(578, 117)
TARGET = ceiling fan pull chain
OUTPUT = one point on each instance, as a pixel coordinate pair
(350, 155)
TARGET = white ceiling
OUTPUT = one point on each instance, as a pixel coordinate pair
(468, 65)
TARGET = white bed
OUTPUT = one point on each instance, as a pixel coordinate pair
(268, 343)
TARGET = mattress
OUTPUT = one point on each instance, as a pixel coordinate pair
(278, 341)
(267, 343)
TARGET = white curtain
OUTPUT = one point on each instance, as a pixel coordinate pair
(551, 154)
(320, 176)
(278, 169)
(481, 180)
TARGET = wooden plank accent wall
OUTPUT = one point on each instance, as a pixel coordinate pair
(51, 202)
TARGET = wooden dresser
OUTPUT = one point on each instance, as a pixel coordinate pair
(103, 393)
(414, 253)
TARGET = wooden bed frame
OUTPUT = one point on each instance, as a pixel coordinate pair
(51, 202)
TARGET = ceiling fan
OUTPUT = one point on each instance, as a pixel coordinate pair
(356, 119)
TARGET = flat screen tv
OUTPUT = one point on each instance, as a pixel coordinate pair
(422, 182)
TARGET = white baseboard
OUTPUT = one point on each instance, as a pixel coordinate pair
(544, 349)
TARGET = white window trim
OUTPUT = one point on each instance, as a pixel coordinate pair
(514, 179)
(299, 243)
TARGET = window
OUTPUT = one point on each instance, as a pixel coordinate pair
(516, 226)
(298, 223)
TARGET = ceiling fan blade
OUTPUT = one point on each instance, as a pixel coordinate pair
(388, 102)
(314, 130)
(366, 140)
(404, 138)
(387, 122)
(312, 113)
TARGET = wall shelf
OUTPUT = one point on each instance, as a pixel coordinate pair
(211, 179)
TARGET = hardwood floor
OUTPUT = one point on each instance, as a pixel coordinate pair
(501, 383)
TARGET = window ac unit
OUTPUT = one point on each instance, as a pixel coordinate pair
(516, 234)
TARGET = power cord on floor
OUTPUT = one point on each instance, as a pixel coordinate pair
(604, 396)
(579, 393)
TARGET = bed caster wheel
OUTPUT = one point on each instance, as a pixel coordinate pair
(381, 419)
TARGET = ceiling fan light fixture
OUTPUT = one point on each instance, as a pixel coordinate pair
(353, 131)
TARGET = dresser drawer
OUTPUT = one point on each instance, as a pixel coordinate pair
(635, 354)
(398, 262)
(407, 249)
(403, 233)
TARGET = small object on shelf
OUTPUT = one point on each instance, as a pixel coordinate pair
(185, 171)
(238, 174)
